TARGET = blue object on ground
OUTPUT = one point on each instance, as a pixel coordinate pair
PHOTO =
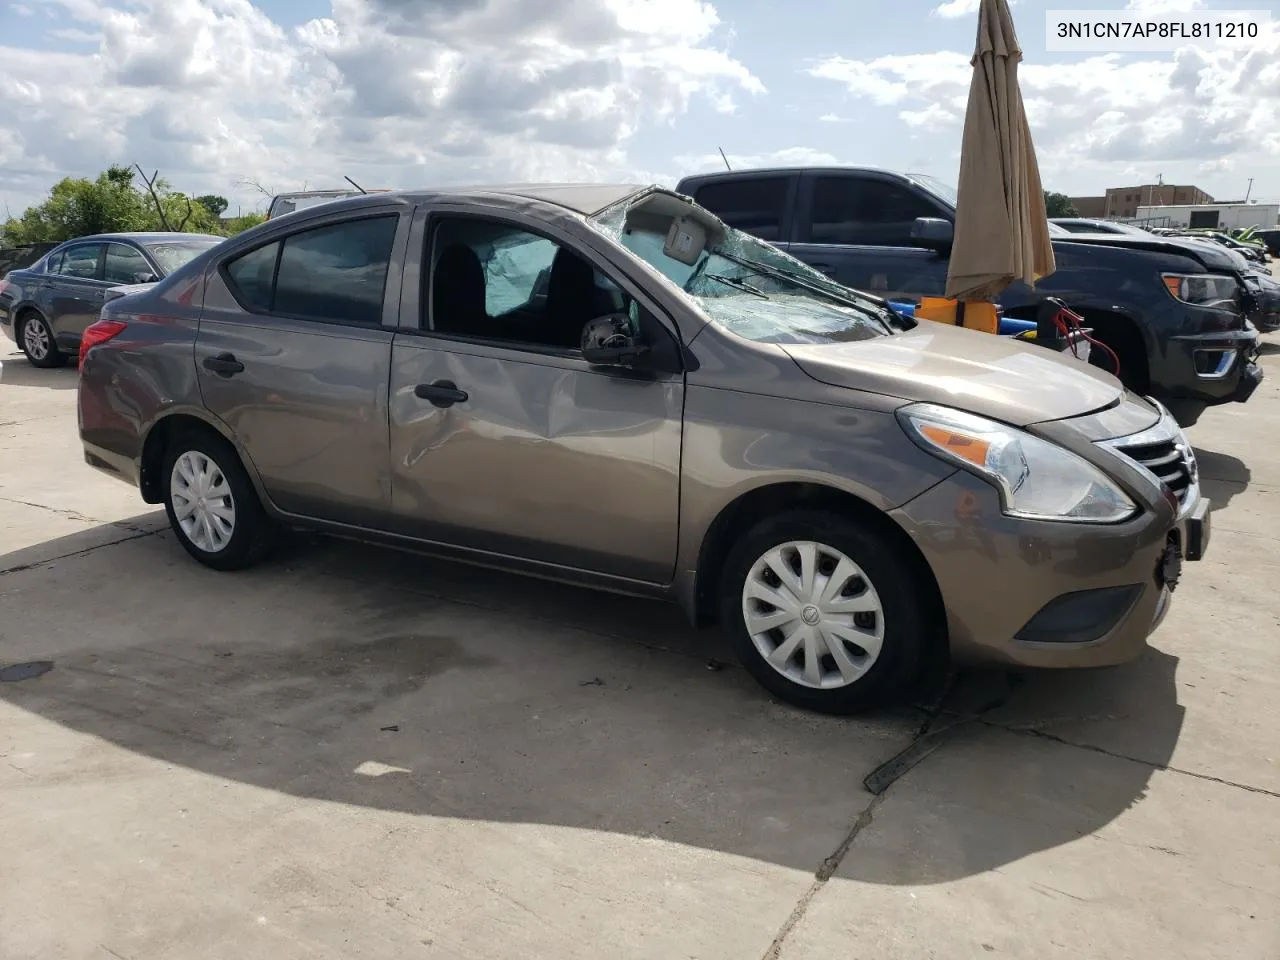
(1009, 327)
(903, 307)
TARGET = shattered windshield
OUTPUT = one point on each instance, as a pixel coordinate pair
(752, 288)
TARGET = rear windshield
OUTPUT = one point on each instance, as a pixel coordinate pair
(302, 201)
(172, 254)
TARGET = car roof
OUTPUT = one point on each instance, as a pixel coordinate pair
(792, 170)
(582, 198)
(145, 237)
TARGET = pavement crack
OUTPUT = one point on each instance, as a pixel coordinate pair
(824, 873)
(1027, 731)
(72, 514)
(136, 535)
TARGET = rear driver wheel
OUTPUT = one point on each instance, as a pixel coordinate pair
(37, 342)
(211, 504)
(825, 613)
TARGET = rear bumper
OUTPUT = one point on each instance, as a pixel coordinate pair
(112, 464)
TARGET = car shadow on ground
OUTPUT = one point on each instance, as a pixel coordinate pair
(364, 676)
(1222, 476)
(16, 370)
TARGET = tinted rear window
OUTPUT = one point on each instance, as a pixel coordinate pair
(755, 206)
(335, 272)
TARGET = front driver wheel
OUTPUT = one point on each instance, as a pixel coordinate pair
(38, 344)
(826, 613)
(212, 506)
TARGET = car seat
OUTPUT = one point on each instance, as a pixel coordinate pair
(571, 300)
(458, 293)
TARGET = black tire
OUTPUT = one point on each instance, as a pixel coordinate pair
(53, 357)
(911, 622)
(253, 533)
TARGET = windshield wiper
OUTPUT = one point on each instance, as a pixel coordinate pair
(738, 285)
(769, 270)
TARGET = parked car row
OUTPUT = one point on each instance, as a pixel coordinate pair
(1260, 285)
(611, 386)
(46, 306)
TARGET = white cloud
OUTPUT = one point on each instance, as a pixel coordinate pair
(1105, 117)
(957, 8)
(391, 92)
(952, 9)
(1164, 6)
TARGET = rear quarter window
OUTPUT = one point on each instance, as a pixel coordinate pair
(252, 275)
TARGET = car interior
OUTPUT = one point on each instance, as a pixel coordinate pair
(498, 282)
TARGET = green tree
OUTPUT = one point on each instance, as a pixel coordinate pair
(1059, 205)
(78, 206)
(116, 202)
(213, 203)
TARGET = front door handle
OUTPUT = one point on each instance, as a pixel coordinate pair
(442, 393)
(224, 365)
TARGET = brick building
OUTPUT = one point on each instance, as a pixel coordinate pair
(1123, 202)
(1095, 208)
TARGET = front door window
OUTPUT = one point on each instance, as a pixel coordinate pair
(124, 264)
(497, 282)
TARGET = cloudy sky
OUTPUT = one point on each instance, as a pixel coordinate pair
(414, 92)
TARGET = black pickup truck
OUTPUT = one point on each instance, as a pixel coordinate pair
(1176, 313)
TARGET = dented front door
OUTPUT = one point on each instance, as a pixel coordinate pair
(539, 457)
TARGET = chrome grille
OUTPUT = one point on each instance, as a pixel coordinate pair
(1169, 460)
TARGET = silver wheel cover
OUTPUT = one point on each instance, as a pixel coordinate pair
(35, 339)
(813, 615)
(202, 501)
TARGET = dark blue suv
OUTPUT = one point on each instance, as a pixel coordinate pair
(1176, 313)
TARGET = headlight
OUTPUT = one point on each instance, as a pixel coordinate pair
(1037, 480)
(1202, 289)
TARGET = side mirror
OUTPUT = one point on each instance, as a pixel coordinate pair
(932, 233)
(145, 277)
(608, 341)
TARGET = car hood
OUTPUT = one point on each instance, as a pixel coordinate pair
(997, 377)
(1213, 256)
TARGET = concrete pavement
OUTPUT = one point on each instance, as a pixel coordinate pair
(354, 752)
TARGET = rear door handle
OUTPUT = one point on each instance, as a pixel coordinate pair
(442, 393)
(224, 365)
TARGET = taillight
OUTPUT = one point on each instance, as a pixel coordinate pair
(97, 333)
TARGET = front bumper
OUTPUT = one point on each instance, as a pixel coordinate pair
(1038, 594)
(1212, 368)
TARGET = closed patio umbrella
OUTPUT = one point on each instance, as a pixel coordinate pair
(1002, 229)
